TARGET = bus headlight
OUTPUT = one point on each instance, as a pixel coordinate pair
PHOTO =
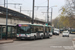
(28, 35)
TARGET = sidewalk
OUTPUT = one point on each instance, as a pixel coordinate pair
(7, 41)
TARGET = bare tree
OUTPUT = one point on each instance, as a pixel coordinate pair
(70, 7)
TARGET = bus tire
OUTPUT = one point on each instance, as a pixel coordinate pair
(48, 37)
(63, 36)
(68, 35)
(42, 37)
(34, 37)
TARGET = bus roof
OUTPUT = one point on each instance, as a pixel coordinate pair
(37, 24)
(48, 26)
(32, 24)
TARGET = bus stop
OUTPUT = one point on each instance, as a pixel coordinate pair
(11, 31)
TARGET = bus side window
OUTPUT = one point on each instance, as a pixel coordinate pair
(49, 30)
(32, 29)
(45, 29)
(36, 29)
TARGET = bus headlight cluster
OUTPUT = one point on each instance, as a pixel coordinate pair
(28, 35)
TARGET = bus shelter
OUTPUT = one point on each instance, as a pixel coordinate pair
(11, 31)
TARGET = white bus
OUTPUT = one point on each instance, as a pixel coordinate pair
(33, 31)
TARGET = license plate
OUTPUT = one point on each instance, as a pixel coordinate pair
(73, 32)
(22, 38)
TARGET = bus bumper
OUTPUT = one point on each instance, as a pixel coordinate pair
(50, 35)
(24, 37)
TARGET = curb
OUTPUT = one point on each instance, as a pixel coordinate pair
(8, 41)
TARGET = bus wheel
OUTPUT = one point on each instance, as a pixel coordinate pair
(42, 37)
(34, 37)
(48, 37)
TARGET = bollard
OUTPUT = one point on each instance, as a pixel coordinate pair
(73, 42)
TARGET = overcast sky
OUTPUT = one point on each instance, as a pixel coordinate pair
(27, 5)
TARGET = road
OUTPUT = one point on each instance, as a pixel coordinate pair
(54, 43)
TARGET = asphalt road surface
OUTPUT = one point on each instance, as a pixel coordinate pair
(54, 43)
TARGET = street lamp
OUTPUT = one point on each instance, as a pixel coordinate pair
(6, 19)
(48, 13)
(52, 12)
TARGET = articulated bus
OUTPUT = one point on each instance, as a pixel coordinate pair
(33, 31)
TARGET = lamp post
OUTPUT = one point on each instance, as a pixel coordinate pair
(48, 13)
(33, 12)
(6, 19)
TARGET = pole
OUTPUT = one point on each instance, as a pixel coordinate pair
(33, 13)
(48, 13)
(4, 3)
(1, 32)
(51, 15)
(20, 9)
(11, 32)
(6, 19)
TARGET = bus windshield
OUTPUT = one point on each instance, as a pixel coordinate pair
(23, 29)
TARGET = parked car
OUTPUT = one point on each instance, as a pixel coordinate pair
(65, 33)
(72, 31)
(61, 30)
